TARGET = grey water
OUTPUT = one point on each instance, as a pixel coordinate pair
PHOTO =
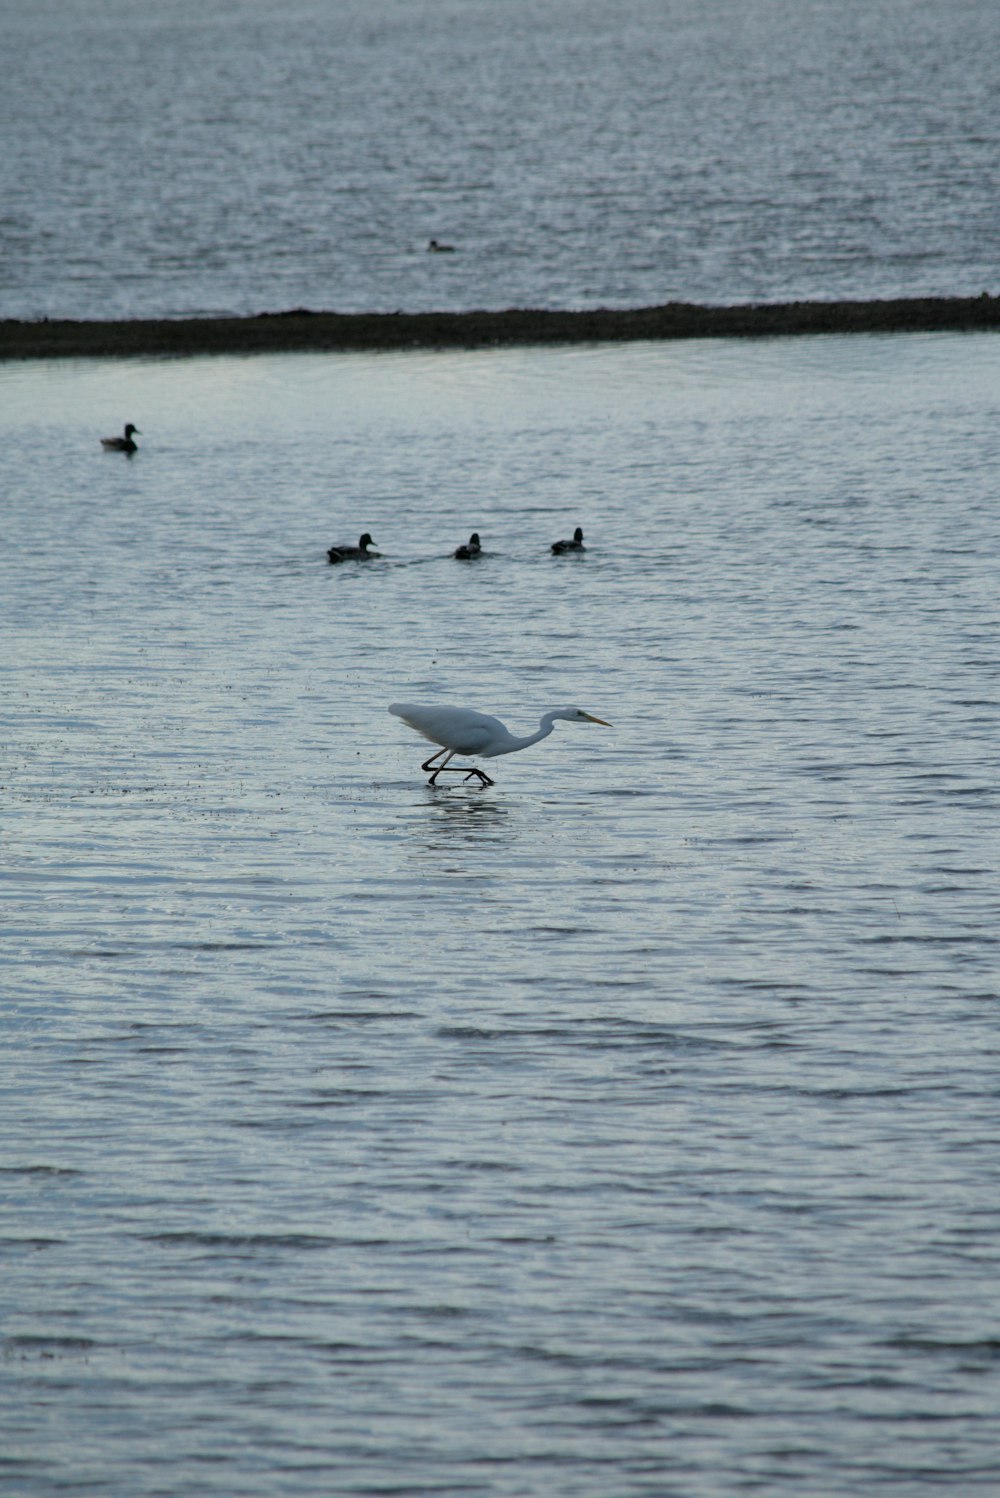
(627, 1127)
(185, 159)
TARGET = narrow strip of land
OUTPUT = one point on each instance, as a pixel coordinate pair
(302, 331)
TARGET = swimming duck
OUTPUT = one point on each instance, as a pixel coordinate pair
(575, 545)
(359, 553)
(437, 248)
(471, 548)
(122, 444)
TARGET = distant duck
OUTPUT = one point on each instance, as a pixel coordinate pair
(471, 549)
(359, 553)
(575, 545)
(122, 444)
(435, 247)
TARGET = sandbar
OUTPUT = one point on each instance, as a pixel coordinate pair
(300, 330)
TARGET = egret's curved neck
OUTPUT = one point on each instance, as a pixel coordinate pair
(546, 727)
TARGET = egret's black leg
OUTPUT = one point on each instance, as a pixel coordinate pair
(430, 766)
(467, 770)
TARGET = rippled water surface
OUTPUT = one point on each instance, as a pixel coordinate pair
(626, 1128)
(182, 158)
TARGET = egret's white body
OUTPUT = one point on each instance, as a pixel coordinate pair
(460, 730)
(124, 444)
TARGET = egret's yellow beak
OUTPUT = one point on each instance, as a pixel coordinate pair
(591, 719)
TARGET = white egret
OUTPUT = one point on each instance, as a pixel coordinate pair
(471, 548)
(575, 545)
(459, 730)
(122, 444)
(359, 553)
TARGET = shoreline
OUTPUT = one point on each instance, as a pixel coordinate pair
(302, 331)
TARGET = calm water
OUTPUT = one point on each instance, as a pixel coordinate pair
(627, 1128)
(184, 158)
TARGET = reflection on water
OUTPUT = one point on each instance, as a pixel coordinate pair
(465, 814)
(459, 819)
(355, 1128)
